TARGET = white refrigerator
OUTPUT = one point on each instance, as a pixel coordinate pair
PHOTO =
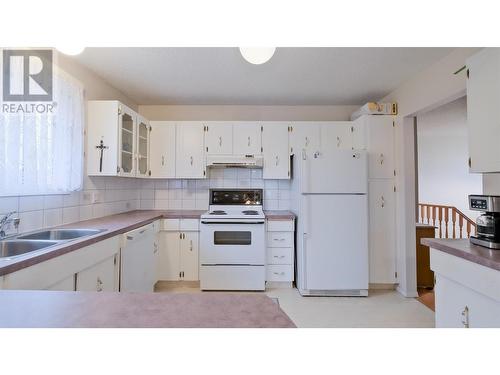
(329, 197)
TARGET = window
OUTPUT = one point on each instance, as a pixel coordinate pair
(42, 153)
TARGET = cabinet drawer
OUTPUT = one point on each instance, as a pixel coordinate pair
(280, 255)
(280, 226)
(190, 224)
(170, 224)
(279, 273)
(280, 239)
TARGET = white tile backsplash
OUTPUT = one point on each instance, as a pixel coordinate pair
(193, 194)
(103, 196)
(113, 195)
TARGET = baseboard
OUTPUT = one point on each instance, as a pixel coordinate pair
(382, 286)
(279, 284)
(178, 284)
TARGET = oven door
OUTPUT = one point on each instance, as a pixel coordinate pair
(232, 243)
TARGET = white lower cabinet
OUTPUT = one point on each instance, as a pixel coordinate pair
(66, 284)
(382, 231)
(467, 294)
(179, 249)
(59, 273)
(280, 251)
(101, 277)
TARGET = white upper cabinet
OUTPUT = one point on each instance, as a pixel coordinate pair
(336, 134)
(275, 150)
(127, 127)
(247, 138)
(218, 138)
(111, 139)
(380, 145)
(304, 136)
(358, 134)
(190, 155)
(143, 147)
(163, 152)
(483, 117)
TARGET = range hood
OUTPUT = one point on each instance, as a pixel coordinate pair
(234, 161)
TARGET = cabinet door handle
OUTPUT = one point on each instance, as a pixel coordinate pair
(279, 273)
(279, 256)
(465, 317)
(277, 160)
(191, 160)
(248, 141)
(307, 141)
(99, 284)
(338, 141)
(163, 160)
(278, 239)
(381, 159)
(382, 201)
(191, 245)
(220, 141)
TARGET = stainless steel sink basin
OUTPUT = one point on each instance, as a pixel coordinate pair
(59, 234)
(12, 248)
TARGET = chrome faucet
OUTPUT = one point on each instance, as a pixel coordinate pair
(7, 220)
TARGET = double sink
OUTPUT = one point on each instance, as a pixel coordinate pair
(27, 243)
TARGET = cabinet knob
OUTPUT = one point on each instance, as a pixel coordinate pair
(99, 284)
(465, 317)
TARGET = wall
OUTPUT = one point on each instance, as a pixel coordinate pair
(114, 194)
(247, 112)
(433, 87)
(443, 174)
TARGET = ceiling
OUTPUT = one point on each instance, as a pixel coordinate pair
(293, 76)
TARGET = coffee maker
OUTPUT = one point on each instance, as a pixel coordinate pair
(488, 224)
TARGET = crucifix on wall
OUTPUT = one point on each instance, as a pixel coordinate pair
(101, 147)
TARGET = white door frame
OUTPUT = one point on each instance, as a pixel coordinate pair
(406, 197)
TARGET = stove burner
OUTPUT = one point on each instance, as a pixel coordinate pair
(218, 212)
(250, 212)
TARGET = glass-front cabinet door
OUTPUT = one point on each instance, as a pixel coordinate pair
(143, 147)
(127, 129)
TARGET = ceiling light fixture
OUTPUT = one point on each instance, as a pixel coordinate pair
(257, 55)
(71, 50)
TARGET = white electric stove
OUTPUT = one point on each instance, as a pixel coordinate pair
(232, 241)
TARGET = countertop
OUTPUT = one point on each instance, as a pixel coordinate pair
(51, 309)
(113, 225)
(464, 249)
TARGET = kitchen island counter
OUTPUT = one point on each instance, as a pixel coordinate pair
(49, 309)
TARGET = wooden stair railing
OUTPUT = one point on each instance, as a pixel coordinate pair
(449, 221)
